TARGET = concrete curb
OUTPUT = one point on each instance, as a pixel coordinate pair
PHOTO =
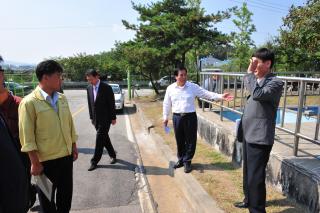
(147, 202)
(198, 198)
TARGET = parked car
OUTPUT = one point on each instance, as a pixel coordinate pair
(118, 96)
(17, 89)
(164, 81)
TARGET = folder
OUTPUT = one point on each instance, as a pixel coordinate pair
(44, 184)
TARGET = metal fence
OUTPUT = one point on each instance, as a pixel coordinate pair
(293, 100)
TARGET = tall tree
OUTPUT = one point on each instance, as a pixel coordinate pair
(76, 66)
(241, 40)
(174, 27)
(300, 36)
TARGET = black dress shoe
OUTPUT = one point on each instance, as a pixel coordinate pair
(113, 160)
(179, 164)
(242, 205)
(92, 167)
(187, 167)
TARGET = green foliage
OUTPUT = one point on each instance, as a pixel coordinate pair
(241, 40)
(76, 66)
(299, 37)
(175, 27)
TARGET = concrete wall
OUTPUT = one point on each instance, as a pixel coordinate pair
(296, 182)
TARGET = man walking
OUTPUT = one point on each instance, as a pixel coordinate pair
(102, 114)
(258, 127)
(180, 96)
(47, 133)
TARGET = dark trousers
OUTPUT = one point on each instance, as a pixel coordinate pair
(102, 140)
(185, 130)
(255, 159)
(59, 171)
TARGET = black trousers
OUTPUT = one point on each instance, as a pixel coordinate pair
(185, 130)
(59, 171)
(255, 159)
(102, 140)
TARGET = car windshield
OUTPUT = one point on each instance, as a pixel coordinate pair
(116, 89)
(13, 85)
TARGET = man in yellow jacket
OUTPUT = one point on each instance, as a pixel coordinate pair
(48, 135)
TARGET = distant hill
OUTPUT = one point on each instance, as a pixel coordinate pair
(18, 66)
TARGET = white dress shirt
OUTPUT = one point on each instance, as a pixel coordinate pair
(181, 99)
(52, 100)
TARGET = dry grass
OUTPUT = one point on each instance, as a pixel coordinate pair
(217, 175)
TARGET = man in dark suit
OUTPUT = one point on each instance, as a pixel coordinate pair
(13, 178)
(102, 114)
(258, 127)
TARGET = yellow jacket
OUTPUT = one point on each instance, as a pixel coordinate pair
(44, 130)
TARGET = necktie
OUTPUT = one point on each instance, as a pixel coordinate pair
(95, 91)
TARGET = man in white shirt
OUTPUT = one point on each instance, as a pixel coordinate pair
(180, 98)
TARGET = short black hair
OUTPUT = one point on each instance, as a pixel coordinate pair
(48, 67)
(92, 72)
(265, 54)
(176, 72)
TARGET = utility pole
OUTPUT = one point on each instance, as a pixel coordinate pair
(129, 83)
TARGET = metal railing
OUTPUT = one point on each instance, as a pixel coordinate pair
(306, 87)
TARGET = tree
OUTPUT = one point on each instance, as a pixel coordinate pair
(175, 27)
(75, 67)
(300, 36)
(241, 40)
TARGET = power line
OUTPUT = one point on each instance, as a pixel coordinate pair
(260, 7)
(265, 4)
(273, 4)
(55, 27)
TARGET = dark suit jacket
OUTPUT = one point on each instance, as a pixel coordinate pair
(13, 178)
(101, 111)
(259, 116)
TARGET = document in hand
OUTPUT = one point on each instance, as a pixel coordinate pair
(44, 184)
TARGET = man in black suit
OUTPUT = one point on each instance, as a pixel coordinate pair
(258, 127)
(13, 178)
(102, 114)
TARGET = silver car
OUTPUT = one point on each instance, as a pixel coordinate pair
(118, 96)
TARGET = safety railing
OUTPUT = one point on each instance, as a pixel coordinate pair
(293, 104)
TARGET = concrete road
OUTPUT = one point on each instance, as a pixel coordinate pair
(109, 188)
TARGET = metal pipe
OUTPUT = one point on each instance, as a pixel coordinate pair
(299, 116)
(235, 88)
(284, 102)
(221, 102)
(316, 134)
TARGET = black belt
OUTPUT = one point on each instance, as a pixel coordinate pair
(184, 114)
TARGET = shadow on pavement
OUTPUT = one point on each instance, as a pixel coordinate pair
(214, 166)
(149, 170)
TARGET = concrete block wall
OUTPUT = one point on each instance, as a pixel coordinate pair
(286, 175)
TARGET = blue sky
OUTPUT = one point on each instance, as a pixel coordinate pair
(36, 29)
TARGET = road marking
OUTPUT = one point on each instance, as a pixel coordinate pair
(78, 111)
